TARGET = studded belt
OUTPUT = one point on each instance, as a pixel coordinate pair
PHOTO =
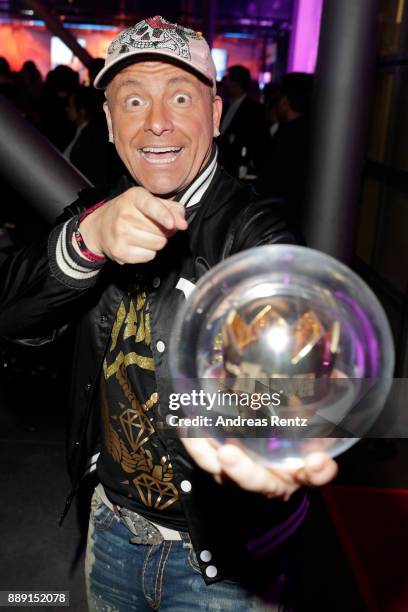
(143, 530)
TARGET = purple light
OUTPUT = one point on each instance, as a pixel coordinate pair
(261, 22)
(271, 539)
(304, 42)
(273, 443)
(370, 337)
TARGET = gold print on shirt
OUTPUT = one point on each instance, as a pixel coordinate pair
(129, 436)
(146, 363)
(120, 317)
(137, 324)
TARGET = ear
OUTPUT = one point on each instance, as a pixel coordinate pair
(108, 120)
(217, 110)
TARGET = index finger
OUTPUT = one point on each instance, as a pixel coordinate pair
(154, 209)
(178, 211)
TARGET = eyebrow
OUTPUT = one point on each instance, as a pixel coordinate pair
(130, 83)
(172, 81)
(180, 79)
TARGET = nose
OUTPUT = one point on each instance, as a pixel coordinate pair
(158, 119)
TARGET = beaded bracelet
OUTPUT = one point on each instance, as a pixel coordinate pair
(79, 239)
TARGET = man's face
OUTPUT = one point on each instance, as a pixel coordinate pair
(162, 119)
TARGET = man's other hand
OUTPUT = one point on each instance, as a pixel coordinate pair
(232, 463)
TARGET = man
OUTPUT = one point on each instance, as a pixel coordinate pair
(80, 108)
(89, 150)
(283, 172)
(244, 131)
(165, 531)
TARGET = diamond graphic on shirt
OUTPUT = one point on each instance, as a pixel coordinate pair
(154, 493)
(137, 428)
(129, 434)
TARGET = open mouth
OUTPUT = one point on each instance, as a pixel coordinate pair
(160, 155)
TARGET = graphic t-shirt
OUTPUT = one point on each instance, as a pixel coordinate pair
(134, 466)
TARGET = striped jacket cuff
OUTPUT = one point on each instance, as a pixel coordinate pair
(66, 264)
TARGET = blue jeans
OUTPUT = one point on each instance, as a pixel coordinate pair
(125, 577)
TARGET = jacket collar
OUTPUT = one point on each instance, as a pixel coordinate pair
(192, 194)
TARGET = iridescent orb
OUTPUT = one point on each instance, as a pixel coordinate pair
(285, 351)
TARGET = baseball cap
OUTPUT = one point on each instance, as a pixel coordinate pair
(157, 39)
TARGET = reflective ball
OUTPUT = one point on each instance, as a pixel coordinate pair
(285, 351)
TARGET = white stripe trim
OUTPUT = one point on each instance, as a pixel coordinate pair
(186, 286)
(89, 470)
(68, 259)
(91, 465)
(201, 191)
(93, 459)
(66, 264)
(198, 182)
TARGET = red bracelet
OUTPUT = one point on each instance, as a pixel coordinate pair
(79, 239)
(91, 210)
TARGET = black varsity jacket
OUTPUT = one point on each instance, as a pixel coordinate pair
(37, 300)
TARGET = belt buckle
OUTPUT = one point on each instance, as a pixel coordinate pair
(143, 530)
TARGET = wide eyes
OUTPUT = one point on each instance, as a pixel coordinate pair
(134, 102)
(179, 99)
(182, 99)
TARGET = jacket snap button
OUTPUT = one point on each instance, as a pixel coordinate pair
(186, 486)
(156, 282)
(103, 319)
(205, 556)
(160, 346)
(88, 387)
(211, 571)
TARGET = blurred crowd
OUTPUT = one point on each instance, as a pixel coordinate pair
(264, 133)
(68, 113)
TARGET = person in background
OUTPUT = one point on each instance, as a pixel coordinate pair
(31, 81)
(10, 88)
(254, 91)
(95, 66)
(80, 109)
(284, 170)
(5, 73)
(271, 95)
(90, 150)
(59, 84)
(243, 138)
